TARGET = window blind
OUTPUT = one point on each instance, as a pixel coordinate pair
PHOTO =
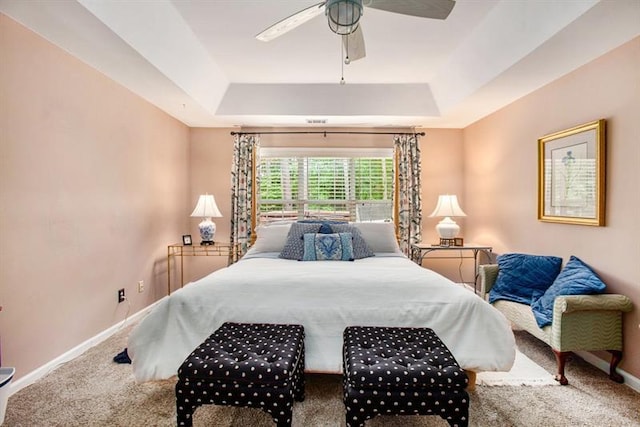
(351, 185)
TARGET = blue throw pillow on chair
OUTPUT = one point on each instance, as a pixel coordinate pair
(576, 278)
(523, 278)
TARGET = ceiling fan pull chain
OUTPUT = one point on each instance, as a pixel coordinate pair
(347, 60)
(342, 63)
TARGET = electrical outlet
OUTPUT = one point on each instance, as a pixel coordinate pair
(121, 295)
(140, 286)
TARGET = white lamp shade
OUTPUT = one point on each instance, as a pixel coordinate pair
(206, 207)
(447, 206)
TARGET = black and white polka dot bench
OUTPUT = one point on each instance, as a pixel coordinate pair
(244, 364)
(401, 371)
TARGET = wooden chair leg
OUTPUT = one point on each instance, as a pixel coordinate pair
(616, 357)
(561, 358)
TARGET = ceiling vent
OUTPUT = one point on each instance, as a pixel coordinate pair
(316, 121)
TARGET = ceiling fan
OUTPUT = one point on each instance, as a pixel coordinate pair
(343, 17)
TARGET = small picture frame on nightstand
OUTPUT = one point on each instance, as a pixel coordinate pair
(445, 243)
(186, 239)
(458, 241)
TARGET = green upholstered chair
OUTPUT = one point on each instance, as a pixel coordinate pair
(580, 323)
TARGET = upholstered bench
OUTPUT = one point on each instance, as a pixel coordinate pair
(401, 371)
(244, 364)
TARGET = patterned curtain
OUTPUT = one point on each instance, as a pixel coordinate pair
(407, 152)
(245, 153)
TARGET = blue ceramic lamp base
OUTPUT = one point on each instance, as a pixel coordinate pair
(207, 231)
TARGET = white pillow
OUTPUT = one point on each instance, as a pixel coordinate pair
(380, 236)
(270, 238)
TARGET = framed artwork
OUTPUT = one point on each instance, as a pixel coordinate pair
(186, 239)
(571, 175)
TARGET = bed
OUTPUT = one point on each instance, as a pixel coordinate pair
(386, 289)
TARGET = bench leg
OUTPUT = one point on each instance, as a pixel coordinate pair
(299, 379)
(184, 413)
(561, 359)
(283, 417)
(280, 408)
(353, 419)
(616, 357)
(458, 422)
(459, 415)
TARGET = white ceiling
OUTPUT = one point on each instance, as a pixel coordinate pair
(199, 61)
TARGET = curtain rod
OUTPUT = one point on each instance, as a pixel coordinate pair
(325, 133)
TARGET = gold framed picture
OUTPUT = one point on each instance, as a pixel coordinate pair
(571, 175)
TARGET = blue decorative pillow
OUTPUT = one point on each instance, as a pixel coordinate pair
(321, 221)
(523, 278)
(325, 225)
(360, 247)
(328, 247)
(576, 278)
(294, 246)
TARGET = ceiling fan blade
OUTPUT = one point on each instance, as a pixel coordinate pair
(435, 9)
(354, 44)
(293, 21)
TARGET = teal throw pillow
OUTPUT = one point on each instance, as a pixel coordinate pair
(576, 278)
(328, 247)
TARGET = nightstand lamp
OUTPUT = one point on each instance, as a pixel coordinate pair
(206, 208)
(447, 207)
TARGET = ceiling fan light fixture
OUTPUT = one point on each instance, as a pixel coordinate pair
(343, 15)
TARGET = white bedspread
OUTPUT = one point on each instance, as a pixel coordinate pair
(325, 297)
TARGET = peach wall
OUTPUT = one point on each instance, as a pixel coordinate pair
(210, 162)
(93, 186)
(442, 173)
(500, 155)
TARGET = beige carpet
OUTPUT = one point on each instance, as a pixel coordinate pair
(93, 391)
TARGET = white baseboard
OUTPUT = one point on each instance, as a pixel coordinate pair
(40, 372)
(629, 380)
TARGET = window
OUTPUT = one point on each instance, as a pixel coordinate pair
(332, 184)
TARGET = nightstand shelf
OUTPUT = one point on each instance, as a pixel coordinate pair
(217, 249)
